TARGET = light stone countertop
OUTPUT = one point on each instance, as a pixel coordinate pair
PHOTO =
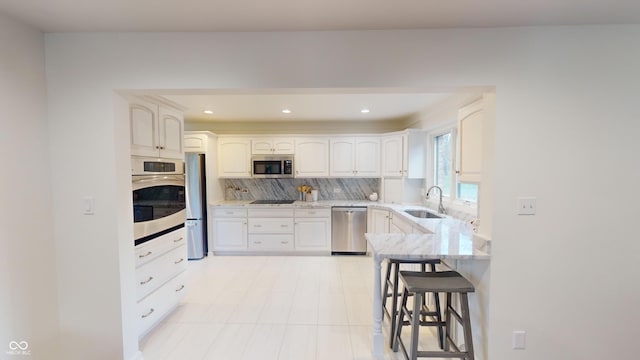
(446, 238)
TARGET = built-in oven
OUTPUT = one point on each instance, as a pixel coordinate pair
(159, 201)
(272, 166)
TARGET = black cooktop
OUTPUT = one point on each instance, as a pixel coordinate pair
(273, 202)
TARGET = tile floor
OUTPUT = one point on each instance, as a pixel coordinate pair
(273, 307)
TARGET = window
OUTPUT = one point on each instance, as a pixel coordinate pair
(444, 153)
(442, 162)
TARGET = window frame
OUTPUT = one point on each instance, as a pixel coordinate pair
(451, 201)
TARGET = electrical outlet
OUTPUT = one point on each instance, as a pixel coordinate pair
(526, 206)
(519, 340)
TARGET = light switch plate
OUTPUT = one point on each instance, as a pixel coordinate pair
(526, 206)
(87, 205)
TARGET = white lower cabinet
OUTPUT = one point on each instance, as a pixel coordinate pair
(230, 229)
(161, 266)
(313, 229)
(378, 222)
(272, 229)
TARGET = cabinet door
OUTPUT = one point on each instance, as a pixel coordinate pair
(261, 146)
(379, 220)
(367, 157)
(469, 164)
(283, 146)
(312, 234)
(230, 234)
(392, 156)
(171, 133)
(312, 157)
(143, 117)
(342, 162)
(195, 143)
(234, 157)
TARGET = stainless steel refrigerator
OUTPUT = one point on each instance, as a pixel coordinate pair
(196, 225)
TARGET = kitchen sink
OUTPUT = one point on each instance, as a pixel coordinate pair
(423, 214)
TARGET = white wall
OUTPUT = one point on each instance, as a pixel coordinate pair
(28, 307)
(565, 131)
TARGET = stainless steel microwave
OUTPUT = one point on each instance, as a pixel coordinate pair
(272, 166)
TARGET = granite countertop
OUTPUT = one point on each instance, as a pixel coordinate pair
(445, 238)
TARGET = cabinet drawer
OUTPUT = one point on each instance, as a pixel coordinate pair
(271, 226)
(152, 249)
(152, 275)
(313, 212)
(158, 304)
(229, 212)
(271, 242)
(270, 212)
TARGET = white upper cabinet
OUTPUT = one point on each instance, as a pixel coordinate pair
(156, 130)
(311, 157)
(469, 164)
(234, 157)
(404, 154)
(393, 156)
(267, 146)
(195, 142)
(355, 157)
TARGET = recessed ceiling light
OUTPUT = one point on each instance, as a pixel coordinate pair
(365, 111)
(286, 111)
(208, 112)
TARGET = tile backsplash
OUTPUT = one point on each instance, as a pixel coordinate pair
(276, 189)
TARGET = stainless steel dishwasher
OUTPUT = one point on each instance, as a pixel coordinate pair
(348, 225)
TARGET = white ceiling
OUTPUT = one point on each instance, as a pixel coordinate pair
(327, 106)
(290, 15)
(308, 15)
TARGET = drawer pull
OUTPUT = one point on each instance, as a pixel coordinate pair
(257, 242)
(229, 212)
(149, 313)
(312, 212)
(146, 281)
(284, 242)
(257, 225)
(145, 255)
(178, 261)
(284, 226)
(180, 288)
(178, 240)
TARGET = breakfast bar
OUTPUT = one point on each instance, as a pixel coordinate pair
(456, 244)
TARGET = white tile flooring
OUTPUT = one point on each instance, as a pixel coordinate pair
(273, 307)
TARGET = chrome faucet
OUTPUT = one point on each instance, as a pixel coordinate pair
(441, 209)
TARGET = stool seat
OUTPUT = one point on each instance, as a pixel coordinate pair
(442, 281)
(417, 284)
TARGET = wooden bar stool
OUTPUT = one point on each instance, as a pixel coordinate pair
(393, 266)
(420, 283)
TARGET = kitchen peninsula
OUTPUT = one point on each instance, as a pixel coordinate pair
(448, 239)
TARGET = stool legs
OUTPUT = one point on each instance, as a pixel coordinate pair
(466, 324)
(393, 313)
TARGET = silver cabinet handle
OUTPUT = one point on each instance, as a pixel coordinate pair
(229, 212)
(149, 313)
(257, 225)
(178, 240)
(180, 288)
(146, 281)
(145, 255)
(257, 242)
(284, 242)
(284, 225)
(178, 261)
